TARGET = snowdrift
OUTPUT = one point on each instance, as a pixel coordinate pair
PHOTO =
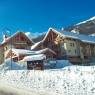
(72, 80)
(10, 65)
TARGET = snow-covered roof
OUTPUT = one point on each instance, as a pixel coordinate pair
(18, 32)
(44, 50)
(49, 31)
(35, 45)
(91, 19)
(23, 51)
(83, 38)
(34, 57)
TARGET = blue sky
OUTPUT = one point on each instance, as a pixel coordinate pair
(37, 16)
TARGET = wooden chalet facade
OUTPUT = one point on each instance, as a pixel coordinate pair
(17, 41)
(67, 46)
(55, 45)
(50, 54)
(49, 42)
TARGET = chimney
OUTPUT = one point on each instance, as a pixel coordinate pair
(5, 37)
(6, 33)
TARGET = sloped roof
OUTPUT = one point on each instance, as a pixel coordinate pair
(40, 42)
(34, 57)
(46, 50)
(16, 34)
(81, 37)
(65, 34)
(51, 30)
(36, 45)
(22, 51)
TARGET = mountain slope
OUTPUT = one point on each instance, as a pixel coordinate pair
(86, 27)
(39, 38)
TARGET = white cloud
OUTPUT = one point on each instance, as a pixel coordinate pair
(28, 33)
(33, 35)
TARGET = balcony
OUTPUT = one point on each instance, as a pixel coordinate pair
(20, 43)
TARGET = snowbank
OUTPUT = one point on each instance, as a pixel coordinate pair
(57, 64)
(72, 80)
(62, 63)
(8, 90)
(10, 65)
(21, 65)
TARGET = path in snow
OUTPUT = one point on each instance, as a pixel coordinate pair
(9, 90)
(6, 90)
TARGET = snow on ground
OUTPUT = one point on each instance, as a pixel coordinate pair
(71, 80)
(9, 64)
(21, 65)
(8, 90)
(57, 64)
(62, 63)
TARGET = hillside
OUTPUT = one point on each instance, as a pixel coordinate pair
(39, 38)
(86, 27)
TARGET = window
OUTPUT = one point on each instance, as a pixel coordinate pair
(75, 51)
(69, 51)
(72, 44)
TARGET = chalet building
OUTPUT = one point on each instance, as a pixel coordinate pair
(16, 41)
(55, 45)
(49, 42)
(18, 46)
(68, 45)
(85, 46)
(77, 48)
